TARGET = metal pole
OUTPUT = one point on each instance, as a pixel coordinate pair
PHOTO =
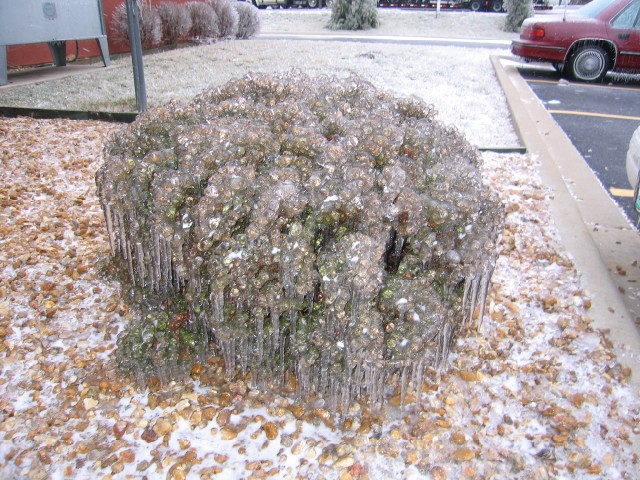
(133, 16)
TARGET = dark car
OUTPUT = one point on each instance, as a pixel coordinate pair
(602, 36)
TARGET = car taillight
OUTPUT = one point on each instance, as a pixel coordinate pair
(533, 32)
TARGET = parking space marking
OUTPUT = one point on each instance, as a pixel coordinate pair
(621, 192)
(536, 80)
(580, 84)
(593, 114)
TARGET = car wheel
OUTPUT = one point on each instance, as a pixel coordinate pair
(312, 3)
(475, 5)
(589, 63)
(497, 6)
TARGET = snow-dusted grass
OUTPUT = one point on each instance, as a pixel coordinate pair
(459, 82)
(393, 21)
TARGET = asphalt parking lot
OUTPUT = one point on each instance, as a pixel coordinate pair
(599, 119)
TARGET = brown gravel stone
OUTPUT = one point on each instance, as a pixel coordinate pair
(127, 456)
(228, 433)
(119, 429)
(270, 430)
(463, 454)
(149, 435)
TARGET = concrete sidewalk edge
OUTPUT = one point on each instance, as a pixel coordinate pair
(593, 229)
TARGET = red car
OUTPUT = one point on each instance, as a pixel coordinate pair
(602, 36)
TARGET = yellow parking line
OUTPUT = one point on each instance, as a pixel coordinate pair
(593, 114)
(621, 192)
(587, 85)
(531, 80)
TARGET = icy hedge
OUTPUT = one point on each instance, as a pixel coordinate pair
(314, 227)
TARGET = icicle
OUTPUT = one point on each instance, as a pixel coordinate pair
(444, 345)
(347, 371)
(140, 263)
(259, 337)
(216, 299)
(324, 370)
(465, 296)
(403, 385)
(244, 355)
(302, 376)
(275, 324)
(418, 379)
(472, 300)
(165, 255)
(281, 364)
(356, 382)
(155, 263)
(228, 348)
(484, 292)
(108, 217)
(122, 233)
(129, 258)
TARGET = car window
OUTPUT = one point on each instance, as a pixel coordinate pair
(593, 9)
(628, 18)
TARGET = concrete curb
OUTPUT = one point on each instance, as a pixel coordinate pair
(595, 232)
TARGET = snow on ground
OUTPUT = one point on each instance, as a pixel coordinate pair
(537, 393)
(458, 81)
(458, 24)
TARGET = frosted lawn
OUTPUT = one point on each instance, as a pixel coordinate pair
(459, 82)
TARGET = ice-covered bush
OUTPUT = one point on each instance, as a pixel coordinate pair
(353, 15)
(316, 228)
(150, 24)
(227, 17)
(204, 21)
(517, 12)
(248, 20)
(176, 22)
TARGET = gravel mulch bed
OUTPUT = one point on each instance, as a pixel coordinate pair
(535, 393)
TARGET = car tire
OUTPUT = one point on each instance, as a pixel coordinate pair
(475, 5)
(497, 6)
(312, 3)
(589, 63)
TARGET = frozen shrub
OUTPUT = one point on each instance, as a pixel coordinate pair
(517, 12)
(353, 15)
(150, 24)
(316, 228)
(248, 20)
(204, 21)
(176, 22)
(227, 17)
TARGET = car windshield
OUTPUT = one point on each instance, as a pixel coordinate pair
(593, 8)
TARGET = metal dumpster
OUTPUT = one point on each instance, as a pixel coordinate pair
(53, 22)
